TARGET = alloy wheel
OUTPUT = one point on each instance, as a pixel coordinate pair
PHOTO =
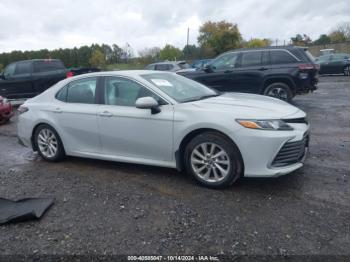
(347, 71)
(278, 92)
(47, 143)
(210, 162)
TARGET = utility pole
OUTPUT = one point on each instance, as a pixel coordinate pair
(188, 35)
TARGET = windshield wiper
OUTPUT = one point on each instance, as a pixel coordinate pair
(201, 97)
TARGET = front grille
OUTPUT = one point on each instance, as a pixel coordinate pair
(291, 153)
(301, 120)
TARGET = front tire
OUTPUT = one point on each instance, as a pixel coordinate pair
(347, 71)
(279, 90)
(213, 160)
(48, 143)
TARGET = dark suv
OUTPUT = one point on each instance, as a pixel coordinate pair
(28, 78)
(280, 72)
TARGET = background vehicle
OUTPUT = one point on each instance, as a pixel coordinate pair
(5, 110)
(338, 63)
(25, 79)
(164, 119)
(280, 72)
(201, 63)
(327, 51)
(172, 66)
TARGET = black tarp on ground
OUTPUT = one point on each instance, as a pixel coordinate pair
(23, 209)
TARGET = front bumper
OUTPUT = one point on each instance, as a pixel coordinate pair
(259, 149)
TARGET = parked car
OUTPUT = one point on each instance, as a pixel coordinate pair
(25, 79)
(201, 63)
(338, 63)
(172, 66)
(6, 111)
(280, 72)
(164, 119)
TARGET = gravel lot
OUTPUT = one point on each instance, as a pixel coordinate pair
(113, 208)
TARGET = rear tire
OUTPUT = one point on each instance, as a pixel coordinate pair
(213, 160)
(279, 90)
(48, 143)
(347, 71)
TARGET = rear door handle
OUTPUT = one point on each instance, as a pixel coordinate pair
(106, 114)
(57, 110)
(263, 68)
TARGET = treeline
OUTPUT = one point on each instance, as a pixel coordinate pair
(339, 34)
(73, 57)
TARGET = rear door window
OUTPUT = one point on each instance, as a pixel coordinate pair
(162, 67)
(82, 91)
(265, 58)
(251, 58)
(47, 66)
(281, 57)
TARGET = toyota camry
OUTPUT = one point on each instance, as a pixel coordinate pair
(164, 119)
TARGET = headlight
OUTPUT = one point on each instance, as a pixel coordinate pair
(265, 124)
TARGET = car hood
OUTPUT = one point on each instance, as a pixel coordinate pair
(250, 106)
(185, 70)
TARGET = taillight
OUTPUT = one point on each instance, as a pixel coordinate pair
(69, 74)
(22, 109)
(306, 66)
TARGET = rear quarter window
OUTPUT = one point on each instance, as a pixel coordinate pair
(281, 57)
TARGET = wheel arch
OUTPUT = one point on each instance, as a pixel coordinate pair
(179, 153)
(344, 67)
(279, 79)
(32, 138)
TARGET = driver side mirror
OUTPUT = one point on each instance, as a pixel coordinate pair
(148, 102)
(208, 68)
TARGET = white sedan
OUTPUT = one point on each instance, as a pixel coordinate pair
(164, 119)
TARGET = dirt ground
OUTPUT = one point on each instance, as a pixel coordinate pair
(113, 208)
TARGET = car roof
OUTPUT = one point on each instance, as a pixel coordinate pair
(169, 62)
(289, 47)
(36, 60)
(126, 73)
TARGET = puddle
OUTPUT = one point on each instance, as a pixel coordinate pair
(13, 154)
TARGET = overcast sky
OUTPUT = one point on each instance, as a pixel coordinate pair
(37, 24)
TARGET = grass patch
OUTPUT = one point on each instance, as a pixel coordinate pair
(124, 67)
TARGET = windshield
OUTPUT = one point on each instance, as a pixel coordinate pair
(179, 88)
(184, 65)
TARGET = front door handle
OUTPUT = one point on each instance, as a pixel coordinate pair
(106, 114)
